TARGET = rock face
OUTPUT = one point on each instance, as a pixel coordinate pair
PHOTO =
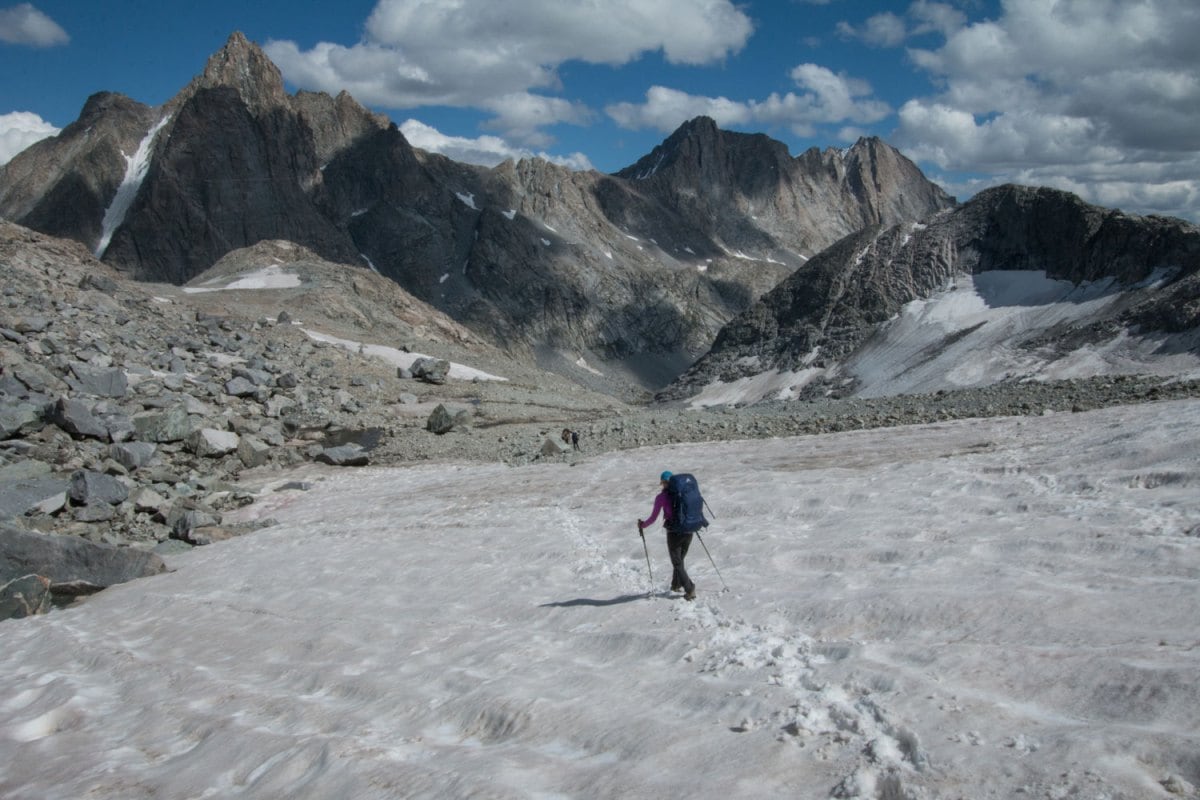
(823, 316)
(636, 270)
(753, 195)
(63, 185)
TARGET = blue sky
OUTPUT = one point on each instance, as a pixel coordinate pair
(1100, 97)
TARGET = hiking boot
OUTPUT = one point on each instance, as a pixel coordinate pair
(691, 594)
(675, 587)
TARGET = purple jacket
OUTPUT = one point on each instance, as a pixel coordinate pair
(661, 503)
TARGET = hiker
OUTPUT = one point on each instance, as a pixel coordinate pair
(570, 437)
(677, 543)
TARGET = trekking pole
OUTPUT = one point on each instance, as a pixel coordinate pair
(710, 559)
(647, 549)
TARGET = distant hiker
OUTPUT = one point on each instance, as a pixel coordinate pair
(677, 542)
(575, 439)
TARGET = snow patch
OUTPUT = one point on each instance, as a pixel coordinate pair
(770, 385)
(468, 200)
(998, 603)
(582, 363)
(972, 334)
(510, 214)
(136, 167)
(271, 277)
(399, 358)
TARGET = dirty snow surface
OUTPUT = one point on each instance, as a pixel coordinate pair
(980, 609)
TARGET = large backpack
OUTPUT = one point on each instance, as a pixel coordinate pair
(687, 506)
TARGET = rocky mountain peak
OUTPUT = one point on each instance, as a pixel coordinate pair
(243, 66)
(102, 104)
(698, 148)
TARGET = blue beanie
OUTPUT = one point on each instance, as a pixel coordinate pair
(666, 476)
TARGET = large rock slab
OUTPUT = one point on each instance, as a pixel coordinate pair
(76, 418)
(212, 443)
(96, 488)
(169, 425)
(132, 455)
(24, 494)
(346, 455)
(431, 370)
(99, 381)
(71, 564)
(17, 418)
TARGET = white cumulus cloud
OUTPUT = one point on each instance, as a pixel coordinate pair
(1101, 98)
(504, 55)
(486, 151)
(25, 24)
(20, 129)
(824, 97)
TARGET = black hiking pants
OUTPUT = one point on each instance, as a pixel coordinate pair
(677, 546)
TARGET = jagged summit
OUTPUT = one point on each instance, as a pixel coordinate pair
(243, 66)
(762, 199)
(699, 146)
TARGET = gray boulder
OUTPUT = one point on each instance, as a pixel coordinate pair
(258, 377)
(22, 495)
(440, 420)
(182, 520)
(119, 425)
(132, 455)
(554, 447)
(31, 324)
(278, 404)
(38, 379)
(146, 499)
(431, 370)
(211, 443)
(167, 425)
(346, 455)
(241, 387)
(23, 469)
(76, 418)
(72, 565)
(253, 452)
(97, 381)
(95, 488)
(18, 418)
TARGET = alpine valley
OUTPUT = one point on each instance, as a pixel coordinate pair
(243, 280)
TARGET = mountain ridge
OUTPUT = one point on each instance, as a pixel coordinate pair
(238, 160)
(820, 324)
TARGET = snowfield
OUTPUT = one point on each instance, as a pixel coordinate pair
(991, 608)
(975, 333)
